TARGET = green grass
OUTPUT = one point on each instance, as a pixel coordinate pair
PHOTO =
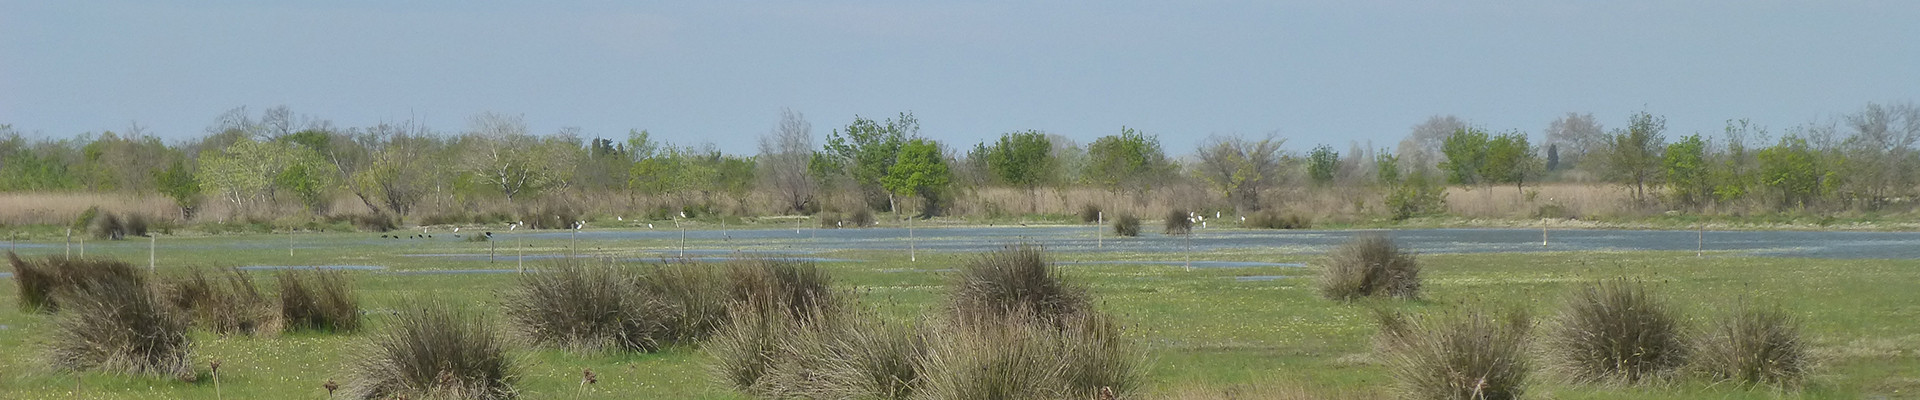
(1861, 317)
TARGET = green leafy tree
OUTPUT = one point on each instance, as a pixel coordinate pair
(178, 183)
(921, 170)
(1386, 167)
(1130, 161)
(1021, 159)
(1510, 159)
(868, 149)
(1687, 171)
(1734, 171)
(1240, 169)
(250, 172)
(1322, 164)
(503, 156)
(1633, 155)
(1794, 169)
(1466, 153)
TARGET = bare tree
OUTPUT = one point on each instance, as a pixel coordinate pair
(1576, 135)
(784, 154)
(1881, 157)
(1240, 168)
(503, 155)
(1420, 151)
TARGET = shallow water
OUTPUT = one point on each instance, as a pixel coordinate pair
(327, 267)
(1259, 278)
(1889, 245)
(1195, 263)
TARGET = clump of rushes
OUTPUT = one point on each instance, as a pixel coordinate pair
(1470, 354)
(1016, 278)
(696, 296)
(577, 306)
(771, 307)
(434, 350)
(1021, 356)
(227, 304)
(1616, 330)
(120, 326)
(319, 300)
(1127, 225)
(1754, 345)
(1178, 222)
(40, 281)
(1370, 265)
(1276, 220)
(799, 289)
(1090, 213)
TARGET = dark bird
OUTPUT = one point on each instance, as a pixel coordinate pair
(331, 386)
(587, 377)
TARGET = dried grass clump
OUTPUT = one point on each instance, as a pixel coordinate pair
(1754, 346)
(1276, 220)
(1090, 213)
(40, 282)
(227, 304)
(1178, 222)
(1462, 355)
(1127, 225)
(1617, 331)
(1370, 265)
(1022, 356)
(120, 326)
(577, 306)
(1017, 278)
(434, 350)
(318, 300)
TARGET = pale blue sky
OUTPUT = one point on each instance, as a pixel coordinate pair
(720, 71)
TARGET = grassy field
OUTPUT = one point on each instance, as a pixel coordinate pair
(1205, 328)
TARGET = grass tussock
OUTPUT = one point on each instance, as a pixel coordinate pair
(226, 304)
(375, 222)
(1276, 220)
(434, 350)
(799, 289)
(1016, 278)
(1179, 222)
(587, 307)
(41, 281)
(1262, 391)
(1470, 354)
(771, 306)
(318, 300)
(1370, 265)
(120, 326)
(841, 356)
(1021, 356)
(1127, 225)
(1754, 346)
(1090, 213)
(859, 218)
(1616, 331)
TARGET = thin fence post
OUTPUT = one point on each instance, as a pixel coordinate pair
(1099, 229)
(69, 242)
(153, 240)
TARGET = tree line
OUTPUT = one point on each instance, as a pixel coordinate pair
(279, 160)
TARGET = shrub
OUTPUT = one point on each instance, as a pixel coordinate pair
(1179, 222)
(433, 350)
(1456, 355)
(225, 305)
(1020, 357)
(1127, 225)
(551, 215)
(575, 306)
(1089, 213)
(40, 282)
(1615, 330)
(1370, 265)
(860, 218)
(376, 222)
(1419, 195)
(108, 227)
(1754, 346)
(1276, 220)
(85, 220)
(770, 304)
(320, 300)
(136, 225)
(829, 220)
(1015, 278)
(118, 325)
